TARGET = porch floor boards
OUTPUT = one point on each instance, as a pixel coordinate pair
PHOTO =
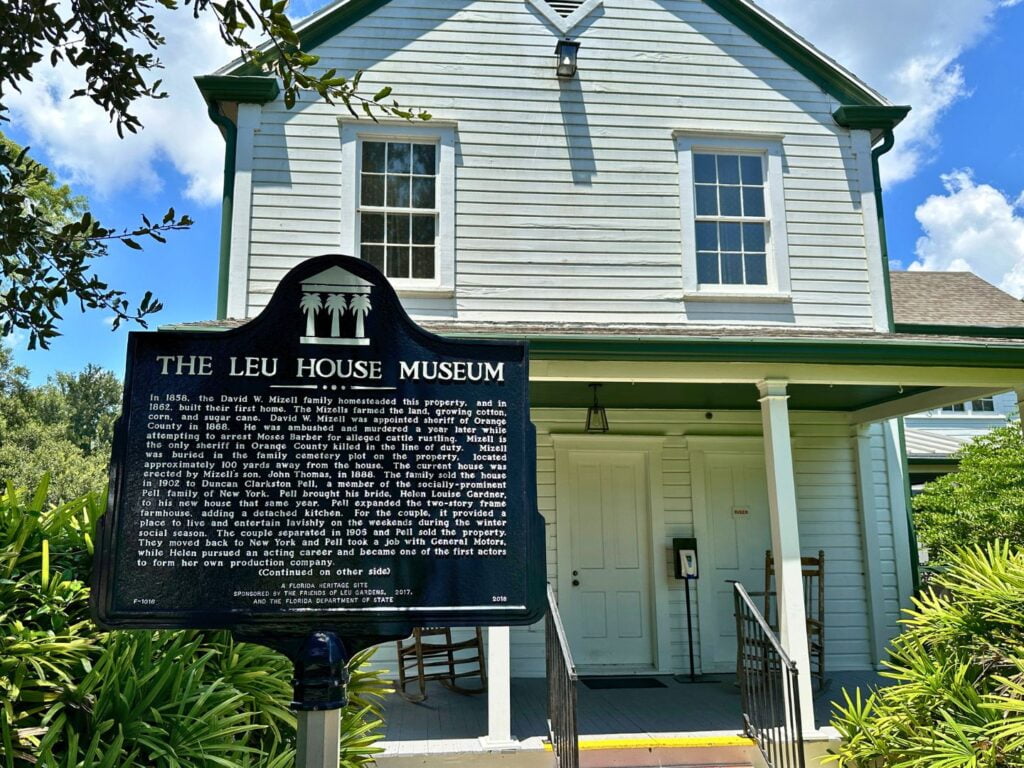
(677, 708)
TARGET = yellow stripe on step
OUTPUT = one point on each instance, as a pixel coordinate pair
(669, 742)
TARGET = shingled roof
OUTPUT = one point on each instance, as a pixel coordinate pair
(952, 299)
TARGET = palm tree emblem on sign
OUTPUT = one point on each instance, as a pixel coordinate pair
(336, 291)
(336, 305)
(310, 304)
(360, 306)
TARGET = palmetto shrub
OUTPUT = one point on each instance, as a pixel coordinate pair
(72, 696)
(959, 669)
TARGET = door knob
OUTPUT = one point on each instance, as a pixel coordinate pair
(575, 582)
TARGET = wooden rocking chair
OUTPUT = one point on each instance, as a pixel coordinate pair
(431, 654)
(813, 572)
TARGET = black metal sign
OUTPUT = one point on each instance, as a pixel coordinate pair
(327, 466)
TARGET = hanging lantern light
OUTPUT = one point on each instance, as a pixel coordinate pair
(597, 417)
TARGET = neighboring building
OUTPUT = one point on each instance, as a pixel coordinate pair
(692, 219)
(923, 300)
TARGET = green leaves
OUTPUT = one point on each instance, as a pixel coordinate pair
(981, 502)
(71, 695)
(958, 701)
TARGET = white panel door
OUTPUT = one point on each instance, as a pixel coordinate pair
(607, 601)
(737, 535)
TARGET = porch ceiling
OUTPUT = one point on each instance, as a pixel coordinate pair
(714, 397)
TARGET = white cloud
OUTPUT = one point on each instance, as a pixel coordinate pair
(79, 142)
(907, 49)
(973, 227)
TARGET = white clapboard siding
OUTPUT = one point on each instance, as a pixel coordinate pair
(567, 194)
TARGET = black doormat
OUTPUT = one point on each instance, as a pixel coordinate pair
(605, 683)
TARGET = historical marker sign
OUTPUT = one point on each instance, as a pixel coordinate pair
(327, 466)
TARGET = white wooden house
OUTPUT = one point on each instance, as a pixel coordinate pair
(692, 219)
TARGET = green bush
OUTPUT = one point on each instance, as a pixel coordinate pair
(982, 502)
(959, 668)
(75, 697)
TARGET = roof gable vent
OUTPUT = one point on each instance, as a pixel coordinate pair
(564, 8)
(563, 15)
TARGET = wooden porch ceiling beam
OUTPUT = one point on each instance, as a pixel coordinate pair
(924, 401)
(993, 379)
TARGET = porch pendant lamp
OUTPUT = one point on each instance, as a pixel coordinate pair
(597, 417)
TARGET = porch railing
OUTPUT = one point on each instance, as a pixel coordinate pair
(768, 687)
(562, 679)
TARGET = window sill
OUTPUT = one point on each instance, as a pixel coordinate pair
(753, 298)
(424, 292)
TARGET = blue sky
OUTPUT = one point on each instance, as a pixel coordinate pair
(952, 186)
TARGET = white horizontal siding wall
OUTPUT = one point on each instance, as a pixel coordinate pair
(826, 482)
(567, 196)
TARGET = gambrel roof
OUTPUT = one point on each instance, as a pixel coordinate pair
(775, 36)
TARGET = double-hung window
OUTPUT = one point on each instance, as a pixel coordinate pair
(733, 218)
(398, 208)
(398, 202)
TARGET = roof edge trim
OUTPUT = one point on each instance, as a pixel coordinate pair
(870, 117)
(246, 89)
(979, 331)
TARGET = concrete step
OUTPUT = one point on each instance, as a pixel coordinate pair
(675, 751)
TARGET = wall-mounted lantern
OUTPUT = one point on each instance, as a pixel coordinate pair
(566, 51)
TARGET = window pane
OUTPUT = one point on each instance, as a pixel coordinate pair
(374, 254)
(398, 261)
(753, 237)
(732, 269)
(398, 191)
(750, 167)
(423, 263)
(728, 169)
(729, 198)
(707, 236)
(423, 230)
(398, 158)
(704, 168)
(757, 270)
(707, 268)
(373, 157)
(729, 235)
(958, 408)
(707, 202)
(371, 227)
(424, 158)
(753, 201)
(984, 405)
(398, 228)
(372, 191)
(423, 192)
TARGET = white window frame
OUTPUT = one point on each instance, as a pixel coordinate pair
(353, 131)
(777, 245)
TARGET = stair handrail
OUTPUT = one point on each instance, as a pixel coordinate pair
(563, 726)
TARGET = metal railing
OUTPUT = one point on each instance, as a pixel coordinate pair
(562, 679)
(768, 687)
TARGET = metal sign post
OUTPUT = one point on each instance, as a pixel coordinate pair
(319, 697)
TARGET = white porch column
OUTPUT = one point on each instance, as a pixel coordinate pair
(789, 585)
(499, 690)
(869, 542)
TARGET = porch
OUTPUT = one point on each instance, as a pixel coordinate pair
(673, 707)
